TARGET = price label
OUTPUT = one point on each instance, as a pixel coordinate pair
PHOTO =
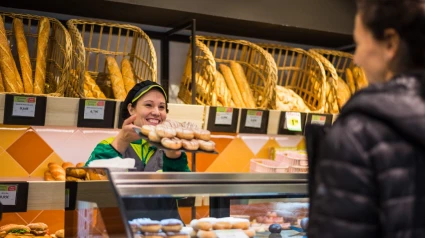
(8, 194)
(94, 109)
(234, 233)
(293, 121)
(23, 106)
(253, 118)
(224, 116)
(67, 198)
(318, 119)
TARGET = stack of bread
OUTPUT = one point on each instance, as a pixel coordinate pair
(122, 80)
(147, 228)
(204, 227)
(10, 79)
(175, 135)
(58, 172)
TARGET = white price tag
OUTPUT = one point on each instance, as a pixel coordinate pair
(318, 120)
(235, 233)
(224, 116)
(67, 198)
(23, 106)
(94, 109)
(253, 118)
(293, 121)
(8, 194)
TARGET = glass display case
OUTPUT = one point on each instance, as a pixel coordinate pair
(126, 201)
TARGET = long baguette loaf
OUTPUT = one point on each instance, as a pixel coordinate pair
(93, 87)
(40, 70)
(7, 64)
(23, 54)
(1, 83)
(223, 93)
(116, 78)
(87, 92)
(243, 84)
(233, 87)
(127, 75)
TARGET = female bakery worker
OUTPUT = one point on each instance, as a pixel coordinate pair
(145, 104)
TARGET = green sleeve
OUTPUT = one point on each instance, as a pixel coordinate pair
(175, 165)
(103, 150)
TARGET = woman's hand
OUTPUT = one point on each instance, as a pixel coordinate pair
(126, 135)
(173, 154)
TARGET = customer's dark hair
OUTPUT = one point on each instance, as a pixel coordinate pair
(406, 17)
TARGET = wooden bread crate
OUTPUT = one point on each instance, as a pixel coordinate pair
(258, 66)
(58, 52)
(93, 41)
(301, 72)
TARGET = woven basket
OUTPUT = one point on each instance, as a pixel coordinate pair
(259, 67)
(93, 41)
(299, 70)
(58, 57)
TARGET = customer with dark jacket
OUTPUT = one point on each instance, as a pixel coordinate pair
(367, 175)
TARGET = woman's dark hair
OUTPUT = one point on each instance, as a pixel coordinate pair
(406, 17)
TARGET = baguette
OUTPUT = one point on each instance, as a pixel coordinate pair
(233, 87)
(350, 81)
(343, 92)
(1, 83)
(223, 93)
(90, 83)
(127, 75)
(87, 92)
(40, 69)
(243, 84)
(24, 58)
(116, 78)
(7, 64)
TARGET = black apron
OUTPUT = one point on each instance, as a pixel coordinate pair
(155, 208)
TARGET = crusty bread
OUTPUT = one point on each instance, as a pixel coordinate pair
(48, 176)
(87, 92)
(223, 94)
(127, 75)
(343, 92)
(7, 64)
(40, 69)
(1, 82)
(24, 58)
(243, 85)
(91, 85)
(232, 85)
(116, 78)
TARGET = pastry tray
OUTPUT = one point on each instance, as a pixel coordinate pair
(160, 146)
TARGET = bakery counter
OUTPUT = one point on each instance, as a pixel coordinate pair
(129, 204)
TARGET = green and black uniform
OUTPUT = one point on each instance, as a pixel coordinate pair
(148, 159)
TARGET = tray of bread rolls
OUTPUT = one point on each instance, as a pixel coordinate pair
(173, 135)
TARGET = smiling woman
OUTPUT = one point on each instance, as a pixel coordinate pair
(145, 104)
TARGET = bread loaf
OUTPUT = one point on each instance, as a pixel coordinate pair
(243, 84)
(87, 92)
(127, 75)
(343, 92)
(350, 81)
(90, 83)
(1, 83)
(24, 58)
(7, 64)
(40, 70)
(232, 85)
(116, 78)
(48, 176)
(223, 93)
(361, 80)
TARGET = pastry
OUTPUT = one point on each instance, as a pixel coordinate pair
(165, 132)
(202, 134)
(146, 129)
(171, 225)
(48, 176)
(222, 225)
(154, 137)
(206, 145)
(151, 226)
(239, 223)
(190, 144)
(206, 234)
(178, 234)
(171, 143)
(185, 133)
(249, 232)
(172, 124)
(154, 235)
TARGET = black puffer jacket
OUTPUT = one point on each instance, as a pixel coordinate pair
(367, 175)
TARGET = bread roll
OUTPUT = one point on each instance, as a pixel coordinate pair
(24, 58)
(127, 75)
(232, 85)
(7, 64)
(67, 165)
(40, 70)
(81, 164)
(1, 82)
(92, 86)
(243, 84)
(116, 78)
(96, 174)
(76, 173)
(48, 176)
